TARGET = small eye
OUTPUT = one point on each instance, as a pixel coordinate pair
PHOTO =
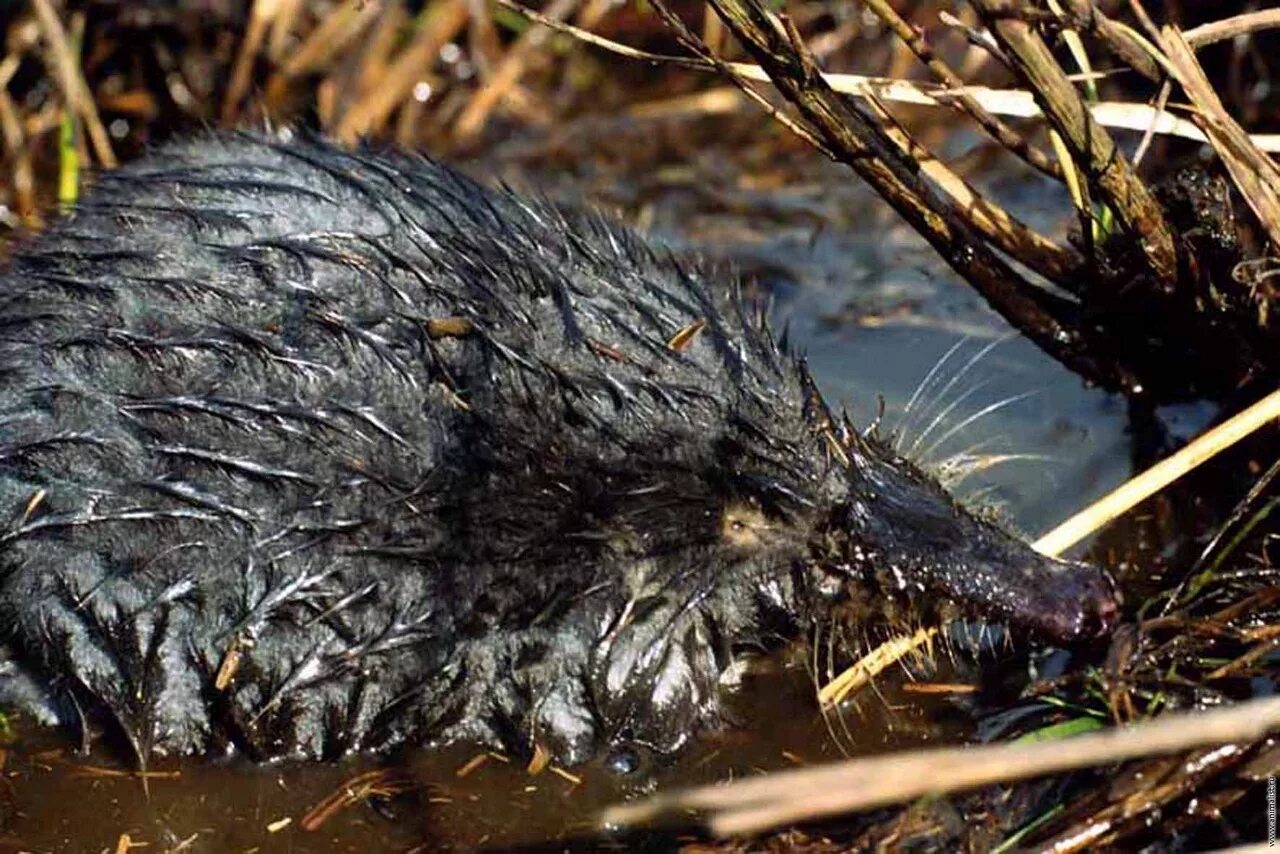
(743, 525)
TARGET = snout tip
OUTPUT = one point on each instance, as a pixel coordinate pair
(1086, 610)
(1108, 607)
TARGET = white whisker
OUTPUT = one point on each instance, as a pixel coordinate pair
(941, 416)
(946, 467)
(986, 410)
(964, 370)
(901, 429)
(958, 468)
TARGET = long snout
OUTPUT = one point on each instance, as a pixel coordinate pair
(1061, 601)
(903, 520)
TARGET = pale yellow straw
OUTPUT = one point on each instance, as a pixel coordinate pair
(1159, 476)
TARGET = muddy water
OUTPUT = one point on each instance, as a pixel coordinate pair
(878, 316)
(460, 798)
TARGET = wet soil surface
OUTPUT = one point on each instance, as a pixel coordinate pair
(454, 799)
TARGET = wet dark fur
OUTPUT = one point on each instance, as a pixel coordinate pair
(257, 495)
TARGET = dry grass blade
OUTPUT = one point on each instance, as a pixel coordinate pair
(1229, 28)
(872, 665)
(711, 62)
(513, 64)
(74, 88)
(330, 38)
(789, 796)
(1254, 173)
(285, 18)
(1160, 475)
(261, 18)
(1009, 103)
(22, 177)
(441, 22)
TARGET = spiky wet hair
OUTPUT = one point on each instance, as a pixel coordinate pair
(307, 450)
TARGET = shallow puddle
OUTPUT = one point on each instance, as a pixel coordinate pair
(458, 798)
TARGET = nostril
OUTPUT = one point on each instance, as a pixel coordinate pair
(1090, 611)
(1107, 606)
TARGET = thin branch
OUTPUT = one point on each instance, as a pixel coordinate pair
(1162, 100)
(1013, 103)
(712, 61)
(261, 16)
(1006, 232)
(860, 141)
(1001, 132)
(1092, 147)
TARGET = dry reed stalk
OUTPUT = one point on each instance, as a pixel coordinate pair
(1255, 174)
(375, 58)
(867, 668)
(322, 45)
(260, 18)
(66, 70)
(786, 797)
(281, 25)
(441, 22)
(508, 73)
(1091, 147)
(1160, 475)
(22, 178)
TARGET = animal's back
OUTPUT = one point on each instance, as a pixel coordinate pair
(259, 405)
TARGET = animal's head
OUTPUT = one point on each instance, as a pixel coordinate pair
(743, 529)
(679, 492)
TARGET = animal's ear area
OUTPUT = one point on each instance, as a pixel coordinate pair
(842, 439)
(759, 499)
